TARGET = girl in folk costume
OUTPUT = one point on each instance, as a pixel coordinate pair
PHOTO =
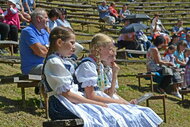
(93, 81)
(65, 101)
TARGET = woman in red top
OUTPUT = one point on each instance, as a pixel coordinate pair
(113, 11)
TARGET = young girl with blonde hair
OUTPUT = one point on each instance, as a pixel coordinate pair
(93, 81)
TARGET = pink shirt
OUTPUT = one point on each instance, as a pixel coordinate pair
(12, 18)
(1, 12)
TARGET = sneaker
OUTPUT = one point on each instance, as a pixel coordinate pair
(177, 94)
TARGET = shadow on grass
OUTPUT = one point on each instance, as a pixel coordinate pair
(10, 106)
(142, 89)
(126, 75)
(14, 75)
(184, 103)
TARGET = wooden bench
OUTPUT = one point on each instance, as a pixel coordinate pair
(184, 92)
(10, 59)
(64, 123)
(146, 75)
(159, 97)
(22, 81)
(10, 44)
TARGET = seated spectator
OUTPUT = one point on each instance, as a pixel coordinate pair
(53, 15)
(158, 29)
(4, 27)
(133, 40)
(11, 17)
(124, 12)
(111, 67)
(93, 82)
(29, 5)
(127, 40)
(178, 28)
(62, 19)
(54, 22)
(174, 40)
(164, 75)
(142, 39)
(113, 11)
(179, 54)
(188, 40)
(34, 43)
(187, 75)
(104, 13)
(186, 54)
(24, 17)
(169, 54)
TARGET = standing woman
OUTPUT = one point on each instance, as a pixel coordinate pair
(65, 102)
(92, 81)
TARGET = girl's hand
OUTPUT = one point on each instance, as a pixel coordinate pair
(102, 104)
(133, 101)
(110, 91)
(170, 64)
(115, 67)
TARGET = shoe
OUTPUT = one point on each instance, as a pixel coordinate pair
(37, 90)
(160, 90)
(177, 94)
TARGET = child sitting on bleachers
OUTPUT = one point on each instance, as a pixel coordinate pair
(179, 54)
(169, 54)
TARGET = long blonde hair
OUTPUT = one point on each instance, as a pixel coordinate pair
(99, 40)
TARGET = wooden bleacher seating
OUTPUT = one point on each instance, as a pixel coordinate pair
(10, 59)
(22, 81)
(159, 97)
(64, 123)
(8, 43)
(146, 75)
(184, 92)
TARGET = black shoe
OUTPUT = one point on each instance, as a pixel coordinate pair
(160, 90)
(37, 90)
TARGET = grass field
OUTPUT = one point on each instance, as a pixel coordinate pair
(12, 114)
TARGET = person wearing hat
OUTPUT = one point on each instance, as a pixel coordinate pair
(4, 28)
(11, 18)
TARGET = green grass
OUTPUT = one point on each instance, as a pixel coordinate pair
(12, 113)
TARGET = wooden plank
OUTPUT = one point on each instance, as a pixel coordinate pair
(83, 41)
(7, 42)
(30, 77)
(131, 61)
(64, 123)
(10, 61)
